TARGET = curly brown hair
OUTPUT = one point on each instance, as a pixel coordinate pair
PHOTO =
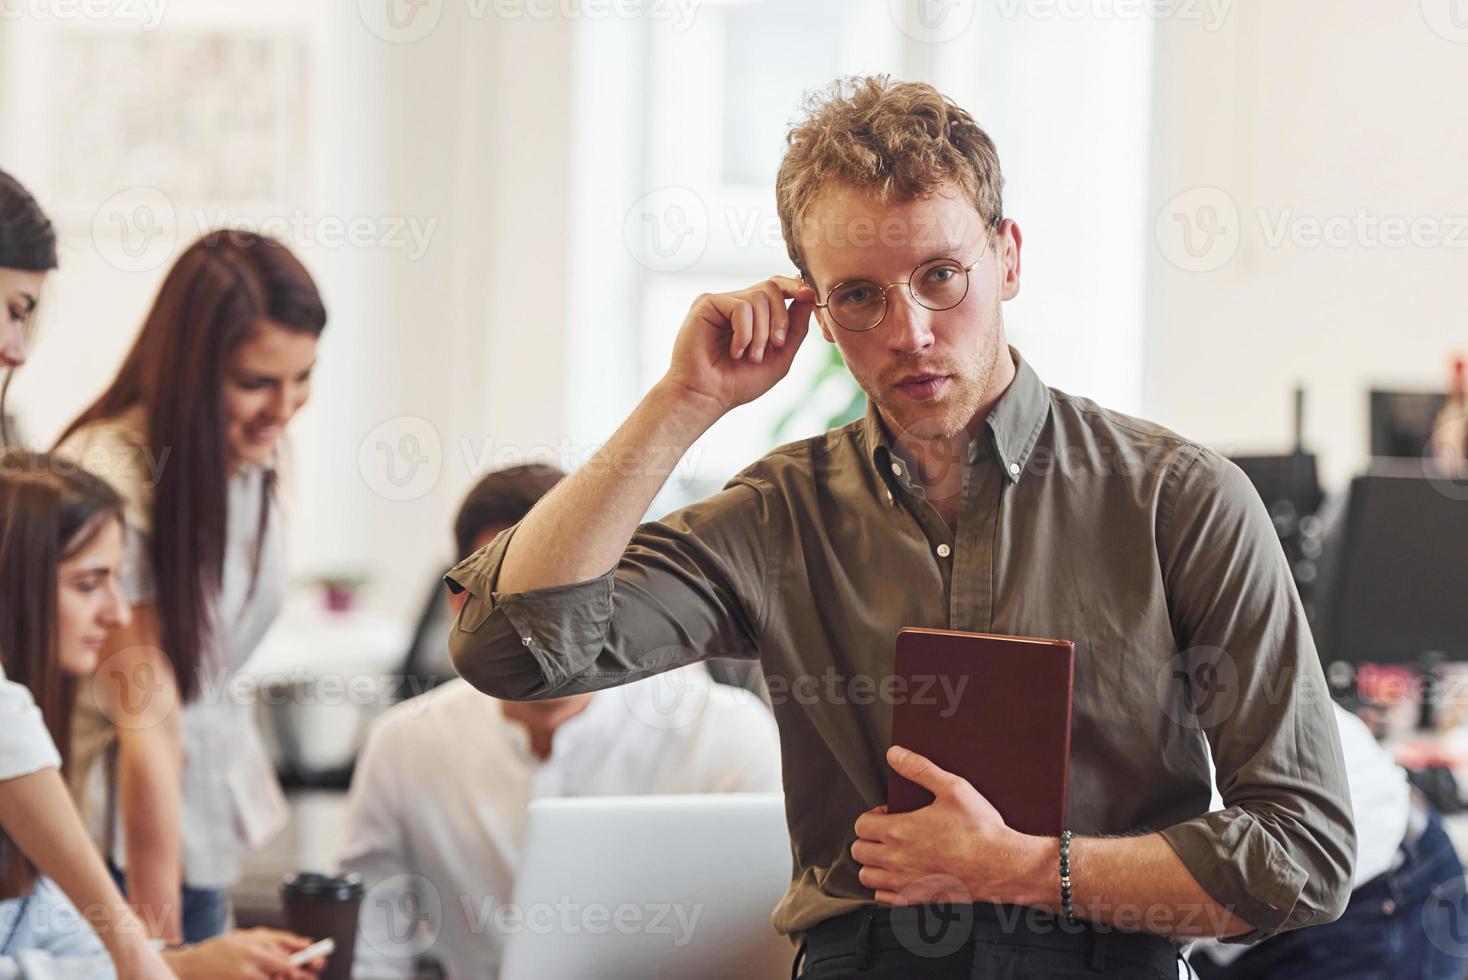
(897, 141)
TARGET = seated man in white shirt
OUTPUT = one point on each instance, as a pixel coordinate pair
(1405, 917)
(437, 811)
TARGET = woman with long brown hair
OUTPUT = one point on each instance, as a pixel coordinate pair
(36, 814)
(188, 433)
(61, 546)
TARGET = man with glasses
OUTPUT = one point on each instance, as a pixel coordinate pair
(970, 497)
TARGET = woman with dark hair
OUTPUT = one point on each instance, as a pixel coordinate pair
(27, 253)
(36, 814)
(61, 546)
(188, 434)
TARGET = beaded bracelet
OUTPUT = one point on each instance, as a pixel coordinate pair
(1065, 906)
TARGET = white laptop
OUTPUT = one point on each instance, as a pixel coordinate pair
(648, 887)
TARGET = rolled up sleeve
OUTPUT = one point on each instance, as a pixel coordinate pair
(1280, 854)
(690, 586)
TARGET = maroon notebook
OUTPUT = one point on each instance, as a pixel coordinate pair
(992, 709)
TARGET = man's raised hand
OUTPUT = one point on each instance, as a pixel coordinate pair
(734, 347)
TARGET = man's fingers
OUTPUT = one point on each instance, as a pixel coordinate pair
(919, 769)
(797, 318)
(779, 321)
(872, 825)
(866, 853)
(881, 878)
(741, 320)
(797, 289)
(761, 336)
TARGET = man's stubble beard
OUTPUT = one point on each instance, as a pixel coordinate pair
(955, 416)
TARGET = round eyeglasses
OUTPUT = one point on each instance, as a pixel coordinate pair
(859, 305)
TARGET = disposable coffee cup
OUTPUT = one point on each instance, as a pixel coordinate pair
(320, 906)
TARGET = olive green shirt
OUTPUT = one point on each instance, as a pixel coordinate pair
(1153, 554)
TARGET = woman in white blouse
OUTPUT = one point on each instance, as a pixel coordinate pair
(169, 766)
(61, 544)
(35, 811)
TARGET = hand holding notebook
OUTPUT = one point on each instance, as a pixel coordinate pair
(994, 710)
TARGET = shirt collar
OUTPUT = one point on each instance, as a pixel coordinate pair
(1013, 427)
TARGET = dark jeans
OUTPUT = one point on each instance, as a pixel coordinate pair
(979, 942)
(205, 910)
(1408, 924)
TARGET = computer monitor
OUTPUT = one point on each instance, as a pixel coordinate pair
(1290, 478)
(1402, 422)
(652, 888)
(1392, 588)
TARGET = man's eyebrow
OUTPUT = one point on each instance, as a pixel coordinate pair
(957, 251)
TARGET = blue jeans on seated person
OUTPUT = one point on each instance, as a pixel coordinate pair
(1408, 924)
(205, 910)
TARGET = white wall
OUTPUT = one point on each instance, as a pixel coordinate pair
(437, 361)
(1305, 110)
(479, 350)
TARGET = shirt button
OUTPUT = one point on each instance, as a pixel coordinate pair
(944, 551)
(897, 468)
(525, 640)
(1014, 469)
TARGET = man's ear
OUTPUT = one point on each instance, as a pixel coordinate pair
(1008, 240)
